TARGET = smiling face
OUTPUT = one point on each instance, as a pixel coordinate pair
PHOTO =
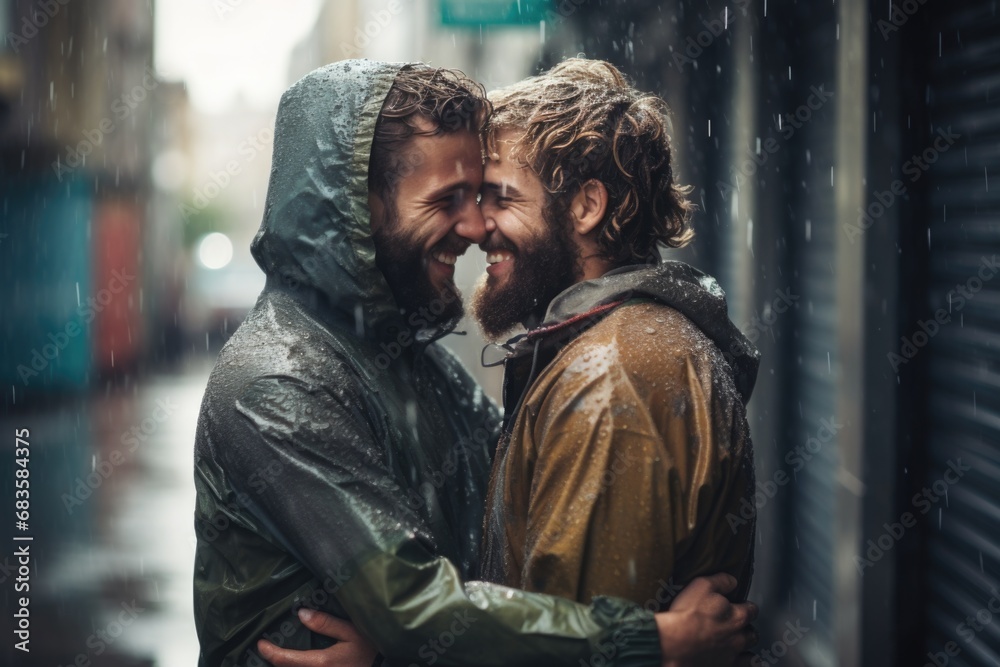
(430, 220)
(530, 251)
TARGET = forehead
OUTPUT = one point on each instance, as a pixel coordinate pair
(446, 155)
(501, 169)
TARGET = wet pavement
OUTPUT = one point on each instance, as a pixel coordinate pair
(112, 548)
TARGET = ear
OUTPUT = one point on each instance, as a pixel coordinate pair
(589, 206)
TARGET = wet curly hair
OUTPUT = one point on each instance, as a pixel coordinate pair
(583, 120)
(446, 99)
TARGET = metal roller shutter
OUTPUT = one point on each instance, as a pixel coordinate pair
(812, 235)
(963, 395)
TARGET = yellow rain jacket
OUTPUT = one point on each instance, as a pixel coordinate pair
(626, 466)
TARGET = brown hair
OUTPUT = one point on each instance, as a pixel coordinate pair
(581, 120)
(446, 99)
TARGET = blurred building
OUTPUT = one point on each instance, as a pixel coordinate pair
(78, 98)
(841, 155)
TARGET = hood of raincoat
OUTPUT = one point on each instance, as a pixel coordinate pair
(693, 293)
(316, 231)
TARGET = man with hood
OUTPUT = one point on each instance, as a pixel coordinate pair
(625, 440)
(342, 455)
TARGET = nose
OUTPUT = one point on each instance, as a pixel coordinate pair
(470, 225)
(491, 224)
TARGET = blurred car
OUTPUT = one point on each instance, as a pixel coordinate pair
(221, 288)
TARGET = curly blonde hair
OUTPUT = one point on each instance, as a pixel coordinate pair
(582, 119)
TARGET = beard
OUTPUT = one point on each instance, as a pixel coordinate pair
(402, 260)
(542, 269)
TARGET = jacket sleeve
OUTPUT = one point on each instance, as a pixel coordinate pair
(334, 505)
(630, 475)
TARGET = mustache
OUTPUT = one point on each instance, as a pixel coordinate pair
(451, 246)
(497, 245)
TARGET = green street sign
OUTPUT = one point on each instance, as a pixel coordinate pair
(475, 13)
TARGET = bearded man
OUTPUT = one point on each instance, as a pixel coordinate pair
(625, 440)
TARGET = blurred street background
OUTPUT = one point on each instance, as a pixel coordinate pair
(841, 154)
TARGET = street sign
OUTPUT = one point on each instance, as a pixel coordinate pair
(475, 13)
